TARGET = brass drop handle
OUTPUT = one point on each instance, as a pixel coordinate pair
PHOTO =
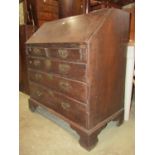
(51, 94)
(50, 76)
(64, 68)
(38, 93)
(30, 61)
(36, 50)
(63, 53)
(36, 63)
(65, 105)
(29, 49)
(38, 76)
(48, 63)
(65, 86)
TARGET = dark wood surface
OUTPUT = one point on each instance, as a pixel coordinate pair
(107, 72)
(59, 103)
(89, 103)
(76, 29)
(72, 88)
(44, 11)
(75, 7)
(71, 8)
(25, 31)
(36, 12)
(110, 3)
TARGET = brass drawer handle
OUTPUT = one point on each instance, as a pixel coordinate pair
(38, 76)
(65, 86)
(36, 51)
(50, 76)
(64, 68)
(29, 49)
(65, 105)
(30, 62)
(63, 53)
(36, 63)
(48, 64)
(38, 93)
(82, 55)
(51, 94)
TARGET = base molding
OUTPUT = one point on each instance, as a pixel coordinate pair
(117, 116)
(88, 137)
(33, 106)
(88, 141)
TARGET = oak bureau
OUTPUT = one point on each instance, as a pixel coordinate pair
(76, 69)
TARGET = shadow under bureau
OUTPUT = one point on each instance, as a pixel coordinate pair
(76, 69)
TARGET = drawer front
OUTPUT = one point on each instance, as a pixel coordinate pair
(47, 16)
(36, 51)
(76, 90)
(47, 8)
(59, 103)
(69, 70)
(76, 55)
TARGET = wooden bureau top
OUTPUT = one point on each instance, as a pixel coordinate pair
(75, 29)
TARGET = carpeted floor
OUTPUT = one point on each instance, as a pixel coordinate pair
(41, 136)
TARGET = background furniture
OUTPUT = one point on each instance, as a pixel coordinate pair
(70, 8)
(130, 62)
(33, 14)
(26, 29)
(44, 10)
(79, 74)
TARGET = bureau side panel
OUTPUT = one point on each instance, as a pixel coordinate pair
(106, 67)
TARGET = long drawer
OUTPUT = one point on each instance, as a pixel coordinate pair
(47, 8)
(59, 103)
(66, 69)
(74, 89)
(47, 16)
(68, 54)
